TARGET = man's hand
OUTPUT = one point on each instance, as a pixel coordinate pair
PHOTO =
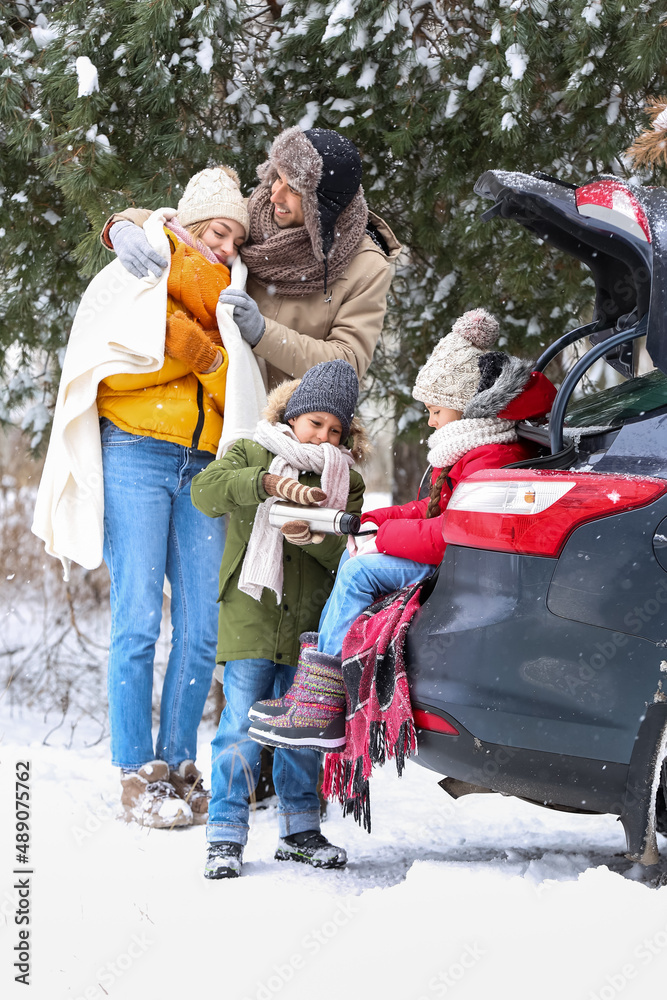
(299, 533)
(247, 316)
(290, 489)
(134, 251)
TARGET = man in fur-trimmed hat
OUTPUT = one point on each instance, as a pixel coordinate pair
(319, 263)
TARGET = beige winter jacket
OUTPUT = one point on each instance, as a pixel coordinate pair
(345, 323)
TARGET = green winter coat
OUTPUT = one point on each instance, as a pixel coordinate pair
(250, 629)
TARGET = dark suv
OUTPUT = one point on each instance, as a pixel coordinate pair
(538, 659)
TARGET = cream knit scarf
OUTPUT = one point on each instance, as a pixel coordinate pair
(263, 562)
(283, 259)
(450, 443)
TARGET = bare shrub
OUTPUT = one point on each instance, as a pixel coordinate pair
(54, 636)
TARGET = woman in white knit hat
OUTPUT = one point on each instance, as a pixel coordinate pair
(159, 429)
(474, 398)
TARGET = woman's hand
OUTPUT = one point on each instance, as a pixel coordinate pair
(186, 341)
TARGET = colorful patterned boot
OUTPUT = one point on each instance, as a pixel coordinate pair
(277, 706)
(316, 718)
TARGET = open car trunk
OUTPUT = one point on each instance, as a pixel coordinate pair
(617, 231)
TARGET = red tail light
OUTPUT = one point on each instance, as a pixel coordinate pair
(610, 201)
(534, 512)
(434, 723)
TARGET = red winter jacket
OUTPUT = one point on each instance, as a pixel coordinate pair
(406, 531)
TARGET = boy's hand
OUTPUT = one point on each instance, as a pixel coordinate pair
(290, 489)
(134, 251)
(186, 341)
(299, 533)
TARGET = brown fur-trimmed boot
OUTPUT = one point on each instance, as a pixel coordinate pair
(186, 780)
(149, 799)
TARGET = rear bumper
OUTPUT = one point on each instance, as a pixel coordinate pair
(555, 779)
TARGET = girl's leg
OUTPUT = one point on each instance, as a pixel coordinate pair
(296, 775)
(193, 564)
(138, 478)
(359, 582)
(234, 756)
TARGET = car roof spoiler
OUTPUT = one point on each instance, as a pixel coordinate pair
(616, 230)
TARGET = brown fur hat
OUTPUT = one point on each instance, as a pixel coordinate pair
(325, 168)
(358, 441)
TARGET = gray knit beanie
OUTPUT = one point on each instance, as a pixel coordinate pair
(213, 193)
(451, 374)
(330, 387)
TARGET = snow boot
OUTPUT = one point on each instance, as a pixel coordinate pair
(149, 799)
(311, 848)
(276, 706)
(316, 718)
(224, 859)
(188, 785)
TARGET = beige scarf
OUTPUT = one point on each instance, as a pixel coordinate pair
(284, 259)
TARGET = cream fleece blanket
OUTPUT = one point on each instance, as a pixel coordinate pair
(119, 328)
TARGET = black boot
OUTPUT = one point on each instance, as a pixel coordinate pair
(311, 848)
(224, 859)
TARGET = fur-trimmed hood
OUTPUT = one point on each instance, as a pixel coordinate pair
(503, 377)
(510, 389)
(358, 442)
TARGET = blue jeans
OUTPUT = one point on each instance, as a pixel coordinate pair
(235, 759)
(359, 582)
(151, 530)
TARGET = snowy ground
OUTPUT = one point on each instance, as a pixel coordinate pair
(484, 897)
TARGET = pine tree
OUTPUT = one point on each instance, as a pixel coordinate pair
(432, 92)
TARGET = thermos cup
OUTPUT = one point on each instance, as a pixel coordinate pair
(331, 522)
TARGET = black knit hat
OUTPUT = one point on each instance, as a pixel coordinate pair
(330, 387)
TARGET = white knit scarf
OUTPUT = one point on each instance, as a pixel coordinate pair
(263, 562)
(450, 443)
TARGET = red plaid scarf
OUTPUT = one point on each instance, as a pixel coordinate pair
(379, 721)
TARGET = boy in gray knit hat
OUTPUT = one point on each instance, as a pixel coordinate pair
(332, 387)
(273, 586)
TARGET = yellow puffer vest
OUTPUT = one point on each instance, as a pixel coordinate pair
(176, 404)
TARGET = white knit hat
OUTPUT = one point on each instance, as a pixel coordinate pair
(451, 374)
(213, 193)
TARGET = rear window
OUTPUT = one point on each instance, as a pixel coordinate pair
(620, 403)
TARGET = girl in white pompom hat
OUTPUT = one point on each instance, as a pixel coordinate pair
(474, 398)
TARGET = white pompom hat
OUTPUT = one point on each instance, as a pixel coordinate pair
(213, 193)
(451, 374)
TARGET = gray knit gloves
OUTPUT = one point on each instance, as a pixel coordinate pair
(299, 533)
(134, 251)
(247, 316)
(291, 490)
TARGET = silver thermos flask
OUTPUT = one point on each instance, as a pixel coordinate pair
(326, 519)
